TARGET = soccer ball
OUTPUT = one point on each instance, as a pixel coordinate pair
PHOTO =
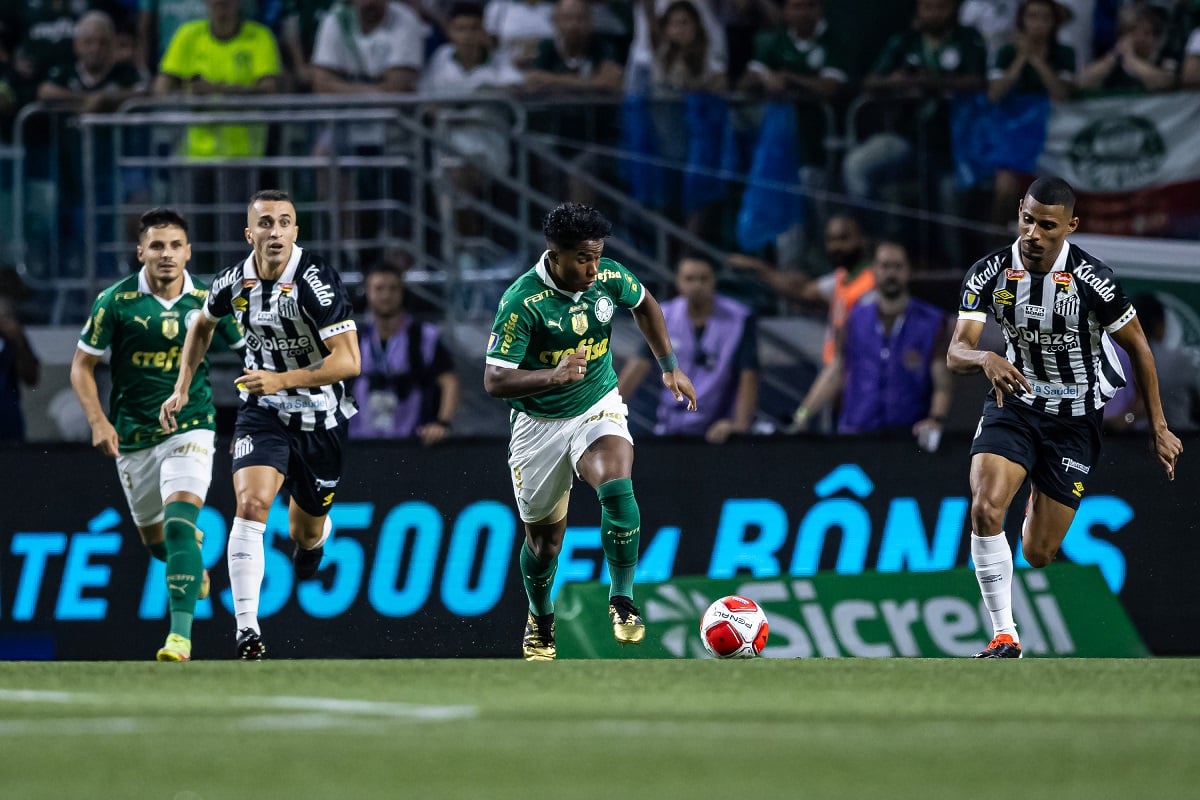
(734, 627)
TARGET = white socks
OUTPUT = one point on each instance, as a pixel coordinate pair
(993, 569)
(247, 565)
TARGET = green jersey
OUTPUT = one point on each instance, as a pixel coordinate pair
(146, 336)
(538, 325)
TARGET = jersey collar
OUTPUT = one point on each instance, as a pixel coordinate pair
(1059, 264)
(144, 287)
(249, 273)
(544, 274)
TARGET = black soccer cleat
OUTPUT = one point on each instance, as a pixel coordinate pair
(250, 645)
(1002, 646)
(305, 563)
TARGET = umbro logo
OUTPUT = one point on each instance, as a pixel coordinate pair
(991, 578)
(240, 556)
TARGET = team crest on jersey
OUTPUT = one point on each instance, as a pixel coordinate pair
(170, 328)
(579, 323)
(1066, 305)
(288, 307)
(1062, 278)
(1015, 274)
(970, 300)
(1003, 297)
(190, 318)
(604, 309)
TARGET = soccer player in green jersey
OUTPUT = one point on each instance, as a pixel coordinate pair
(548, 357)
(143, 319)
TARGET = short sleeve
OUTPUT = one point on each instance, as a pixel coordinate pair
(324, 300)
(229, 333)
(970, 301)
(623, 286)
(510, 335)
(220, 298)
(97, 333)
(175, 60)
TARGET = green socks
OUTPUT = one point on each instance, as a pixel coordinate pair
(158, 550)
(185, 565)
(620, 531)
(539, 579)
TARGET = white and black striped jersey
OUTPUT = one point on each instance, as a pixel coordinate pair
(1056, 325)
(287, 322)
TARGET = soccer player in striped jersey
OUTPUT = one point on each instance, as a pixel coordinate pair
(1061, 309)
(301, 344)
(142, 321)
(548, 357)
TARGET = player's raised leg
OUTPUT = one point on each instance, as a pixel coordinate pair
(607, 465)
(1046, 525)
(539, 563)
(309, 534)
(994, 482)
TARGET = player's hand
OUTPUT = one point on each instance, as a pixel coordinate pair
(1168, 448)
(572, 367)
(104, 438)
(170, 407)
(1005, 378)
(260, 382)
(680, 385)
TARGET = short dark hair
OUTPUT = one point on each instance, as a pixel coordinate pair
(1052, 192)
(464, 8)
(271, 196)
(160, 218)
(571, 224)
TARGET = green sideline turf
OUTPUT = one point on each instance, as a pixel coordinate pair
(887, 728)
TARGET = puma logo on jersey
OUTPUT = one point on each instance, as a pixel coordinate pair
(554, 323)
(143, 321)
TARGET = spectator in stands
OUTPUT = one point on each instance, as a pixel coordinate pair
(684, 56)
(476, 136)
(840, 289)
(228, 55)
(1035, 64)
(159, 20)
(1178, 376)
(915, 77)
(517, 26)
(716, 341)
(300, 21)
(1138, 63)
(993, 19)
(649, 17)
(407, 386)
(95, 82)
(742, 22)
(889, 366)
(574, 65)
(18, 364)
(49, 27)
(368, 46)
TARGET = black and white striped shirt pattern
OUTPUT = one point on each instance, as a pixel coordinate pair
(1056, 325)
(287, 322)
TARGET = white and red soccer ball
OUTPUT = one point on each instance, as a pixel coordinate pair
(734, 627)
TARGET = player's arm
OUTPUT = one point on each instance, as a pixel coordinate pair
(824, 389)
(195, 347)
(1132, 339)
(343, 362)
(963, 357)
(83, 381)
(507, 382)
(649, 318)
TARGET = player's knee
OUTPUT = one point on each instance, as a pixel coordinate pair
(251, 506)
(544, 550)
(619, 505)
(1038, 556)
(987, 517)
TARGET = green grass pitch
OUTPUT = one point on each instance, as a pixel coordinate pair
(852, 728)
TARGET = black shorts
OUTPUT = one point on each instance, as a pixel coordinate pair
(310, 461)
(1056, 452)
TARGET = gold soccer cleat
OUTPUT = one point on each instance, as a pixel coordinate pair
(628, 627)
(538, 644)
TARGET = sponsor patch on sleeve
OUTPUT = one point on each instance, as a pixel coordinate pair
(970, 300)
(492, 339)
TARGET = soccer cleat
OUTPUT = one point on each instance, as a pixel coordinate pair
(538, 644)
(628, 627)
(305, 563)
(250, 645)
(177, 648)
(1002, 646)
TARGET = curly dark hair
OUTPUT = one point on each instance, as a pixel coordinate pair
(571, 224)
(159, 218)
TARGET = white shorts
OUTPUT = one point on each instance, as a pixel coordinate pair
(543, 454)
(182, 463)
